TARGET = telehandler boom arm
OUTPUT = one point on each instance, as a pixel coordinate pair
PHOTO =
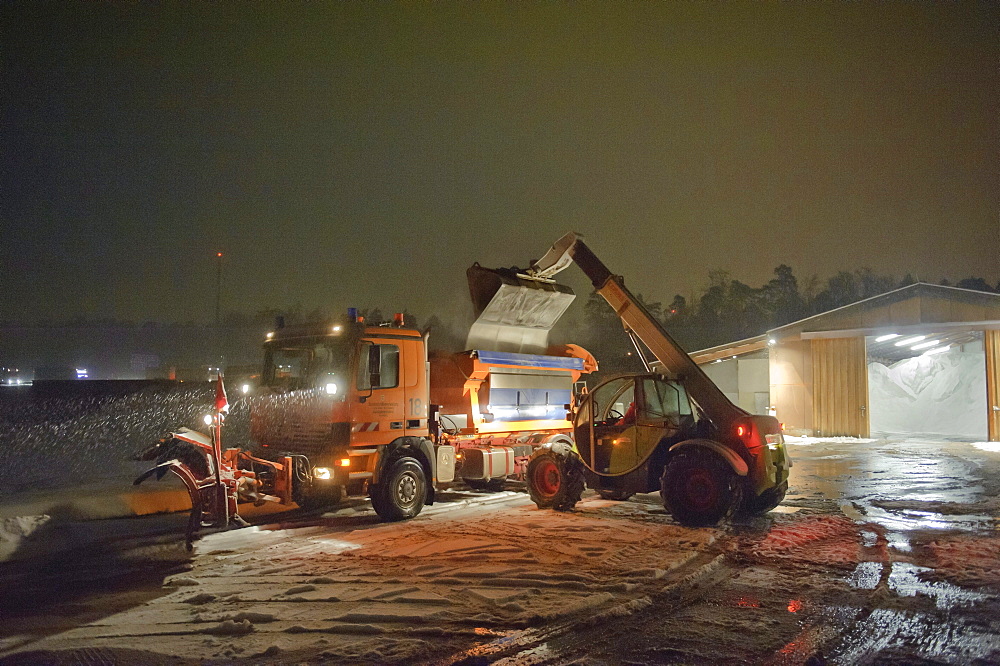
(571, 248)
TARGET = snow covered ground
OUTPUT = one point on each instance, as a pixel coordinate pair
(465, 574)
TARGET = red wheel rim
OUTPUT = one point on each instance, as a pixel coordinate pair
(547, 478)
(701, 489)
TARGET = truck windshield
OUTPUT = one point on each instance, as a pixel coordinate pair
(308, 365)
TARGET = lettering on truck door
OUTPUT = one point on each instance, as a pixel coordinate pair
(380, 418)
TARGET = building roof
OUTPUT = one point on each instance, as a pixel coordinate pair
(919, 307)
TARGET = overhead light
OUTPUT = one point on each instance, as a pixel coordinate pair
(936, 350)
(887, 336)
(925, 345)
(910, 341)
(772, 342)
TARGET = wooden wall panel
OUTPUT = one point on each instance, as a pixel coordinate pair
(992, 340)
(840, 387)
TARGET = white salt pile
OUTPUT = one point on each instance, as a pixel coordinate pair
(939, 394)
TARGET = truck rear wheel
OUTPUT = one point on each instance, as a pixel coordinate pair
(699, 488)
(401, 492)
(555, 480)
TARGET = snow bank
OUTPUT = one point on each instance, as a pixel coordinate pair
(993, 447)
(805, 441)
(940, 394)
(14, 530)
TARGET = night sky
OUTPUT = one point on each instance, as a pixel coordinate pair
(367, 153)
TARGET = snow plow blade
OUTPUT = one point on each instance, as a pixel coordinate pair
(514, 313)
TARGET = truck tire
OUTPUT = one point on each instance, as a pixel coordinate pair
(614, 494)
(401, 492)
(767, 500)
(699, 488)
(555, 480)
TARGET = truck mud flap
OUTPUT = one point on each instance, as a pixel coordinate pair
(514, 312)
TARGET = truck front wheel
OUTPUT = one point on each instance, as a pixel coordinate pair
(401, 492)
(699, 488)
(555, 480)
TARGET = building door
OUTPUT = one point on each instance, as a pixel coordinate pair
(992, 345)
(840, 387)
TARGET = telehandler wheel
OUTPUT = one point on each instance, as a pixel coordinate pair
(614, 494)
(555, 480)
(401, 492)
(699, 488)
(767, 500)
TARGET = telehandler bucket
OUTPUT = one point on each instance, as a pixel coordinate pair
(513, 311)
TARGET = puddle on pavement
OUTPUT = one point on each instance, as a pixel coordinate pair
(904, 580)
(866, 576)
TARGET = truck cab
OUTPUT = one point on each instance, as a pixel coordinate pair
(341, 399)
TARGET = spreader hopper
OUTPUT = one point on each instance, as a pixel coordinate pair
(514, 312)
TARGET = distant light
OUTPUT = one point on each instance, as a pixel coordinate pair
(925, 345)
(245, 388)
(270, 335)
(910, 341)
(207, 419)
(81, 373)
(219, 254)
(734, 355)
(337, 328)
(331, 388)
(887, 336)
(938, 350)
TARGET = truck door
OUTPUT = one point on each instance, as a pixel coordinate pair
(378, 415)
(414, 365)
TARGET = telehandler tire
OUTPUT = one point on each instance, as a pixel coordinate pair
(767, 500)
(555, 479)
(699, 488)
(401, 492)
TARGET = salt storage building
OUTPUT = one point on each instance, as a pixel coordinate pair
(921, 360)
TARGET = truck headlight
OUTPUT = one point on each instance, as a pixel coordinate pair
(322, 473)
